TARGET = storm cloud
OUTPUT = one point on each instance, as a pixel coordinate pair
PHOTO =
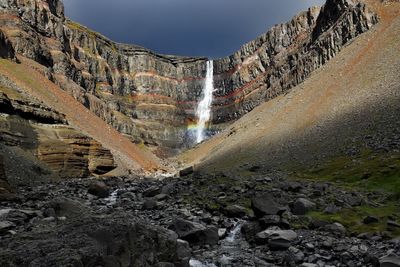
(212, 28)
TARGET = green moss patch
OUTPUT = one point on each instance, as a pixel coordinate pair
(353, 218)
(368, 171)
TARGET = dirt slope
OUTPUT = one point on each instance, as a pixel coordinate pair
(357, 94)
(28, 75)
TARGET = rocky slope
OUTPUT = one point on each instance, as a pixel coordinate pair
(151, 97)
(36, 141)
(262, 220)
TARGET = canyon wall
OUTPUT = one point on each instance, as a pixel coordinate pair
(152, 98)
(285, 56)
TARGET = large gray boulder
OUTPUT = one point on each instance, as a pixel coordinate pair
(276, 239)
(302, 205)
(265, 205)
(195, 233)
(107, 241)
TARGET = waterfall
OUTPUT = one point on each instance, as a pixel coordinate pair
(203, 111)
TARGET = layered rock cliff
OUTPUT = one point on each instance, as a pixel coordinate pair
(285, 56)
(37, 143)
(152, 98)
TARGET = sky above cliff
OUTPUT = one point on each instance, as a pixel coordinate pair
(212, 28)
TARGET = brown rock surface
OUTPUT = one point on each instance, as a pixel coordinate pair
(36, 140)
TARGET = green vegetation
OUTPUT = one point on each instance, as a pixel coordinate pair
(78, 27)
(353, 218)
(368, 171)
(11, 93)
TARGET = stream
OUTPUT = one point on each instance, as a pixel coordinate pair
(230, 252)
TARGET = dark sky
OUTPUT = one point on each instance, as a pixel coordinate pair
(212, 28)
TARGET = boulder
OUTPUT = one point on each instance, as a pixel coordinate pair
(222, 233)
(250, 229)
(276, 239)
(265, 205)
(274, 220)
(301, 206)
(335, 228)
(99, 189)
(235, 211)
(370, 219)
(185, 172)
(183, 250)
(331, 209)
(195, 233)
(65, 207)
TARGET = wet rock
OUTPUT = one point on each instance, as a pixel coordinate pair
(99, 189)
(265, 205)
(195, 233)
(222, 233)
(250, 229)
(301, 206)
(235, 211)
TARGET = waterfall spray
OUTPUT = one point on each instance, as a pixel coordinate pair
(203, 111)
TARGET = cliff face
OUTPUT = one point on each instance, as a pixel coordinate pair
(285, 56)
(152, 98)
(37, 143)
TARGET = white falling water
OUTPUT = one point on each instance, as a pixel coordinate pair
(203, 111)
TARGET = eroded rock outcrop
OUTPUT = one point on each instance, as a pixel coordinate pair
(37, 141)
(152, 97)
(6, 49)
